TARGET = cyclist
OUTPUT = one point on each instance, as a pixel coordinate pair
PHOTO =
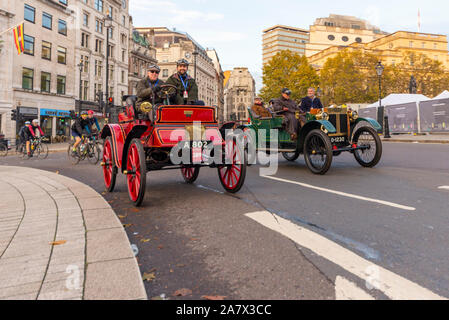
(80, 126)
(28, 132)
(93, 121)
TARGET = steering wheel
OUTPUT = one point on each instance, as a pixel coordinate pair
(167, 91)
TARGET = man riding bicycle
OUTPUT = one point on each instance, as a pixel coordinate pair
(93, 121)
(28, 133)
(81, 125)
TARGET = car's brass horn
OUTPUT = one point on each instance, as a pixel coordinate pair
(146, 107)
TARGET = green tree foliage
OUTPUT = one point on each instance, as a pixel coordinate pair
(288, 70)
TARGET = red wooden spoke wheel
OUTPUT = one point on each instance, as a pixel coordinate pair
(109, 169)
(190, 174)
(136, 172)
(232, 174)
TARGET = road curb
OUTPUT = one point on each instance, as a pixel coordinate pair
(95, 239)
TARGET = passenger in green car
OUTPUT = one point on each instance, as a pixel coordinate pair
(258, 110)
(287, 107)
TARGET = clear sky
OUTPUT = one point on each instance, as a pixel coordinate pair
(234, 27)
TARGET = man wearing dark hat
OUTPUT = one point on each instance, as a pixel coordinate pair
(259, 110)
(187, 87)
(288, 108)
(150, 85)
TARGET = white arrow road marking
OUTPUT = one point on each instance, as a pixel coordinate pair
(391, 284)
(444, 188)
(347, 290)
(344, 194)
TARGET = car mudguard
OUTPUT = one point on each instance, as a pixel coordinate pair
(118, 141)
(312, 125)
(371, 121)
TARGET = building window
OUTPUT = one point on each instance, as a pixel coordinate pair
(111, 72)
(124, 21)
(423, 45)
(28, 44)
(411, 44)
(62, 27)
(30, 13)
(45, 82)
(165, 73)
(27, 78)
(46, 50)
(358, 40)
(85, 61)
(99, 26)
(111, 33)
(62, 55)
(345, 38)
(435, 46)
(110, 12)
(85, 19)
(63, 2)
(60, 85)
(84, 40)
(86, 90)
(47, 20)
(123, 76)
(99, 5)
(111, 51)
(331, 37)
(123, 55)
(98, 46)
(98, 68)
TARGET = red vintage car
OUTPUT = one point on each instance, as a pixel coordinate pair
(150, 137)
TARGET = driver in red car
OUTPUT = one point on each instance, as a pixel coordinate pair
(150, 85)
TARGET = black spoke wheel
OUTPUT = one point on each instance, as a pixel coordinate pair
(190, 174)
(291, 156)
(94, 153)
(367, 137)
(73, 155)
(318, 152)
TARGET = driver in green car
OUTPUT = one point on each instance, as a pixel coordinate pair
(287, 107)
(150, 85)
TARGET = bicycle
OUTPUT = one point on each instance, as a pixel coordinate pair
(3, 148)
(36, 147)
(88, 148)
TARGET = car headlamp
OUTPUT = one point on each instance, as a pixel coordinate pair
(354, 115)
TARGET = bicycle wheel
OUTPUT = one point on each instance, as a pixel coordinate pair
(3, 150)
(93, 153)
(73, 155)
(42, 150)
(21, 151)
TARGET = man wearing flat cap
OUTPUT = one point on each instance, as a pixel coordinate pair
(258, 109)
(288, 108)
(150, 85)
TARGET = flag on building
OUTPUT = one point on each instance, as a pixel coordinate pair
(18, 38)
(419, 20)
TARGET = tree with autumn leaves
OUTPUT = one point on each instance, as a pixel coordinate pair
(350, 76)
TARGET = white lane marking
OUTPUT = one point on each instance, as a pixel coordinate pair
(344, 194)
(391, 284)
(444, 188)
(347, 290)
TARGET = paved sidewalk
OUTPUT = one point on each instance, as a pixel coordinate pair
(59, 239)
(426, 138)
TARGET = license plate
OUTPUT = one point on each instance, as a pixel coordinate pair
(197, 149)
(335, 140)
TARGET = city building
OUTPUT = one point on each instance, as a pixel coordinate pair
(99, 24)
(339, 30)
(279, 38)
(218, 86)
(239, 94)
(42, 81)
(392, 48)
(142, 54)
(171, 46)
(6, 74)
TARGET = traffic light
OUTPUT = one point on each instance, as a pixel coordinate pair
(14, 115)
(111, 101)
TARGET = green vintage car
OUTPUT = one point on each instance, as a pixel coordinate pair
(327, 133)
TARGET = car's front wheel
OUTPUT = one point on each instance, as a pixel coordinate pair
(318, 152)
(371, 153)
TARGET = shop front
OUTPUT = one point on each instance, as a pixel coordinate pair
(55, 124)
(26, 114)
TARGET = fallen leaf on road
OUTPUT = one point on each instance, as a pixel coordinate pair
(171, 271)
(127, 225)
(57, 172)
(148, 277)
(122, 217)
(213, 297)
(182, 292)
(160, 247)
(135, 210)
(180, 265)
(145, 240)
(58, 243)
(194, 239)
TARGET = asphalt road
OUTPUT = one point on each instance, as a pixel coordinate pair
(394, 216)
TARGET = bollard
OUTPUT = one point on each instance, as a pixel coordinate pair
(387, 128)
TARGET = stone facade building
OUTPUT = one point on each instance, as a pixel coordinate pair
(142, 54)
(42, 82)
(94, 18)
(239, 94)
(172, 45)
(279, 38)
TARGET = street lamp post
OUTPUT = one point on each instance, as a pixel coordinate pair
(109, 20)
(380, 69)
(195, 54)
(80, 66)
